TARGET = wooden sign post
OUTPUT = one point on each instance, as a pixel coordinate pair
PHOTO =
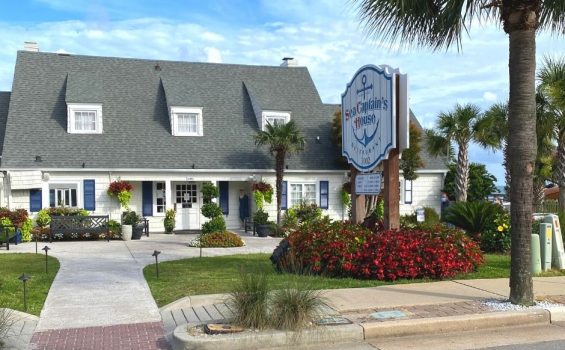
(374, 110)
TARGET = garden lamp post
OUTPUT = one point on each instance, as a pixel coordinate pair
(35, 237)
(156, 254)
(46, 248)
(24, 278)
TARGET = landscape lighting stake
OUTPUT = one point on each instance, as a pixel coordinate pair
(200, 249)
(35, 236)
(156, 254)
(46, 248)
(24, 279)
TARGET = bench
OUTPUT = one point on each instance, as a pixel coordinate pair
(248, 225)
(10, 233)
(76, 224)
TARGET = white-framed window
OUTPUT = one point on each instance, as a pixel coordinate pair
(159, 198)
(275, 118)
(63, 195)
(84, 118)
(302, 192)
(186, 194)
(186, 121)
(408, 191)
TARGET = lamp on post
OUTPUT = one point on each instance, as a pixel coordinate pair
(24, 278)
(46, 249)
(156, 254)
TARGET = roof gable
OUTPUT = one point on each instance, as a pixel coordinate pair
(4, 106)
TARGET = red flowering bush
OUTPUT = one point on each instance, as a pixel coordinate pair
(345, 250)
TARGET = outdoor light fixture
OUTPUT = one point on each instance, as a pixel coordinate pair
(46, 248)
(318, 139)
(156, 254)
(35, 236)
(38, 158)
(83, 164)
(24, 278)
(192, 165)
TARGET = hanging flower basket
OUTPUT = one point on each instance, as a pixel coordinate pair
(121, 190)
(262, 192)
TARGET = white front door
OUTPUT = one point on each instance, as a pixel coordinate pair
(187, 205)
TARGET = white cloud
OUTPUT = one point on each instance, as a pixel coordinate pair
(490, 96)
(212, 37)
(213, 55)
(323, 35)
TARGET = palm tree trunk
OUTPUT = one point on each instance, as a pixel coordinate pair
(521, 148)
(560, 170)
(506, 165)
(279, 170)
(462, 176)
(538, 194)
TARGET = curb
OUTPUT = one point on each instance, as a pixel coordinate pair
(459, 323)
(266, 339)
(557, 313)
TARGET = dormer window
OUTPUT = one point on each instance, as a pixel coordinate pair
(186, 121)
(84, 118)
(274, 118)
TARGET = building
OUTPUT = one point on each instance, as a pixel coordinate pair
(72, 124)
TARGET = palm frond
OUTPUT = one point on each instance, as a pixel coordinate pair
(435, 23)
(552, 16)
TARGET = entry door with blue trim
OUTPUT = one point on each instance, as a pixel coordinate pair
(187, 204)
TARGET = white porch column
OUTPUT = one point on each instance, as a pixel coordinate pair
(168, 196)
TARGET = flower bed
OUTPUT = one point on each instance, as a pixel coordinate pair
(344, 250)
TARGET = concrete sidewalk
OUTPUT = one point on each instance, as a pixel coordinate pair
(402, 310)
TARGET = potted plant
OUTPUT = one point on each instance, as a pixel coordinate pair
(121, 190)
(130, 221)
(262, 225)
(169, 221)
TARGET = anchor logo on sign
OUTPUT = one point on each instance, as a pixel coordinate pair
(365, 88)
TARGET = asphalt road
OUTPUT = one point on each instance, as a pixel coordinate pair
(550, 345)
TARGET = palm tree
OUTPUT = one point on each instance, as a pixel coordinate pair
(283, 140)
(552, 78)
(463, 125)
(440, 24)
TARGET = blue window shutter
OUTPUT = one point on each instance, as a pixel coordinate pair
(324, 194)
(35, 201)
(147, 194)
(284, 197)
(224, 196)
(89, 195)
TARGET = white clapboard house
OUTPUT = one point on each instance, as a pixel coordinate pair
(72, 124)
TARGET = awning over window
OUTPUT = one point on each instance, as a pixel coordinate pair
(25, 180)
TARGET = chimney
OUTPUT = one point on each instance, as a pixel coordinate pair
(31, 46)
(289, 62)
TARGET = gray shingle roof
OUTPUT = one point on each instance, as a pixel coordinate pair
(4, 105)
(136, 94)
(137, 132)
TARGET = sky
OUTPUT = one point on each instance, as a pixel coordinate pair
(324, 35)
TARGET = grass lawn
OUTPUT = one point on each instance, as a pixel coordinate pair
(211, 275)
(11, 288)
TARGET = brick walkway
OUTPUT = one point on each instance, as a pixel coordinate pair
(138, 336)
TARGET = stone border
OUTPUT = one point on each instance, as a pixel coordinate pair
(266, 339)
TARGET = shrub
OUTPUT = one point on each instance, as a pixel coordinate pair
(66, 211)
(43, 218)
(115, 229)
(131, 218)
(26, 228)
(215, 224)
(295, 307)
(211, 210)
(209, 192)
(250, 301)
(307, 212)
(473, 217)
(260, 217)
(496, 238)
(431, 217)
(220, 239)
(343, 250)
(169, 221)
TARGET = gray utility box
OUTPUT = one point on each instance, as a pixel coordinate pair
(545, 233)
(558, 255)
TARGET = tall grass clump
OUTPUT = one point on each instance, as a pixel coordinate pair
(250, 301)
(6, 322)
(295, 307)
